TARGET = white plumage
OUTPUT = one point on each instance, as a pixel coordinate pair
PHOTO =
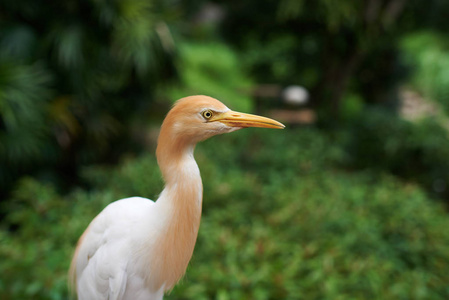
(106, 255)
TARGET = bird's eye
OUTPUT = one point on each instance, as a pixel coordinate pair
(207, 114)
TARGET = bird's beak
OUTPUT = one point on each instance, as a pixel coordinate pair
(238, 119)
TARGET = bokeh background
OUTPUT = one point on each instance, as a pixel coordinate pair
(349, 202)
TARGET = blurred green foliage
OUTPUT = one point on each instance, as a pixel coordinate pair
(212, 69)
(379, 140)
(341, 212)
(333, 48)
(427, 53)
(72, 74)
(24, 97)
(279, 222)
(77, 78)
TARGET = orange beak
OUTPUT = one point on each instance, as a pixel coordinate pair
(238, 119)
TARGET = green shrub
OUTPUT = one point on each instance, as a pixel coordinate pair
(328, 236)
(381, 141)
(279, 222)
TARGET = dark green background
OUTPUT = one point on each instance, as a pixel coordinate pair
(353, 206)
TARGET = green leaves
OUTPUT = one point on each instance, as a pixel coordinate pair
(73, 76)
(212, 69)
(24, 92)
(24, 131)
(283, 226)
(70, 47)
(428, 54)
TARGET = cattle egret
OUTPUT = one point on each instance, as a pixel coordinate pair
(138, 249)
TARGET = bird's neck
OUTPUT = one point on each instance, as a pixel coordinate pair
(183, 190)
(179, 206)
(183, 186)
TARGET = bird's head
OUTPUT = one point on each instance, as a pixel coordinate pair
(197, 118)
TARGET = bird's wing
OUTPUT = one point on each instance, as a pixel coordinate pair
(99, 266)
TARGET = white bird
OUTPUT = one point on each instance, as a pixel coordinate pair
(138, 249)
